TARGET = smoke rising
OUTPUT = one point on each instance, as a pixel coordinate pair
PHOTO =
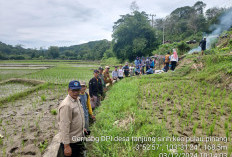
(225, 22)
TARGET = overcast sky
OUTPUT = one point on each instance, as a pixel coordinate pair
(43, 23)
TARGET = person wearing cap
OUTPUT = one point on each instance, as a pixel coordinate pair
(95, 90)
(71, 122)
(126, 69)
(85, 101)
(202, 44)
(100, 75)
(106, 75)
(115, 73)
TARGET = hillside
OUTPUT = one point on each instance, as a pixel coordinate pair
(194, 101)
(93, 50)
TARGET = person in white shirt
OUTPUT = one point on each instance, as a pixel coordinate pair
(120, 72)
(174, 59)
(131, 69)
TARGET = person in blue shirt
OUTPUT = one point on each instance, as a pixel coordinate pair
(137, 70)
(137, 61)
(152, 65)
(150, 70)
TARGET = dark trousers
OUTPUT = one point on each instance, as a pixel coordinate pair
(78, 149)
(166, 67)
(173, 63)
(147, 68)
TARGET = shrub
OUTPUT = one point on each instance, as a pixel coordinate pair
(183, 47)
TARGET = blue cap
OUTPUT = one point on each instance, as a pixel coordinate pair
(74, 85)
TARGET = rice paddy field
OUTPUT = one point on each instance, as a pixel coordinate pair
(183, 113)
(30, 92)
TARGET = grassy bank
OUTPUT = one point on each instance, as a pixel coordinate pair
(124, 114)
(189, 102)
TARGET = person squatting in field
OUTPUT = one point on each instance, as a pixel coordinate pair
(106, 75)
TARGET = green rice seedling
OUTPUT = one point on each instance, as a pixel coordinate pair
(0, 122)
(43, 97)
(43, 145)
(227, 133)
(37, 124)
(4, 151)
(23, 129)
(230, 117)
(53, 112)
(195, 127)
(226, 125)
(212, 127)
(222, 111)
(182, 112)
(23, 143)
(1, 142)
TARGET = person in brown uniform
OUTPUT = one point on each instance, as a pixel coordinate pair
(71, 122)
(106, 75)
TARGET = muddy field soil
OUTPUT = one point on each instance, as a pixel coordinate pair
(27, 125)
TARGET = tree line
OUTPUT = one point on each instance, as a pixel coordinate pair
(133, 35)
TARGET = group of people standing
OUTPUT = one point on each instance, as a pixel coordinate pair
(76, 110)
(170, 61)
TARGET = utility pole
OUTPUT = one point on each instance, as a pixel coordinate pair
(163, 31)
(152, 20)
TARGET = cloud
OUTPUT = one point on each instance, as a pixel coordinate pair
(67, 22)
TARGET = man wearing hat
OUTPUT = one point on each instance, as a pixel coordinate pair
(71, 122)
(106, 75)
(95, 90)
(202, 44)
(85, 101)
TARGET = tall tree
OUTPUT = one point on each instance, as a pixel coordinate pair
(53, 52)
(133, 36)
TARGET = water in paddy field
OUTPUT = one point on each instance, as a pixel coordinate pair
(12, 88)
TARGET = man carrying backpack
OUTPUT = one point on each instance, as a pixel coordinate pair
(167, 61)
